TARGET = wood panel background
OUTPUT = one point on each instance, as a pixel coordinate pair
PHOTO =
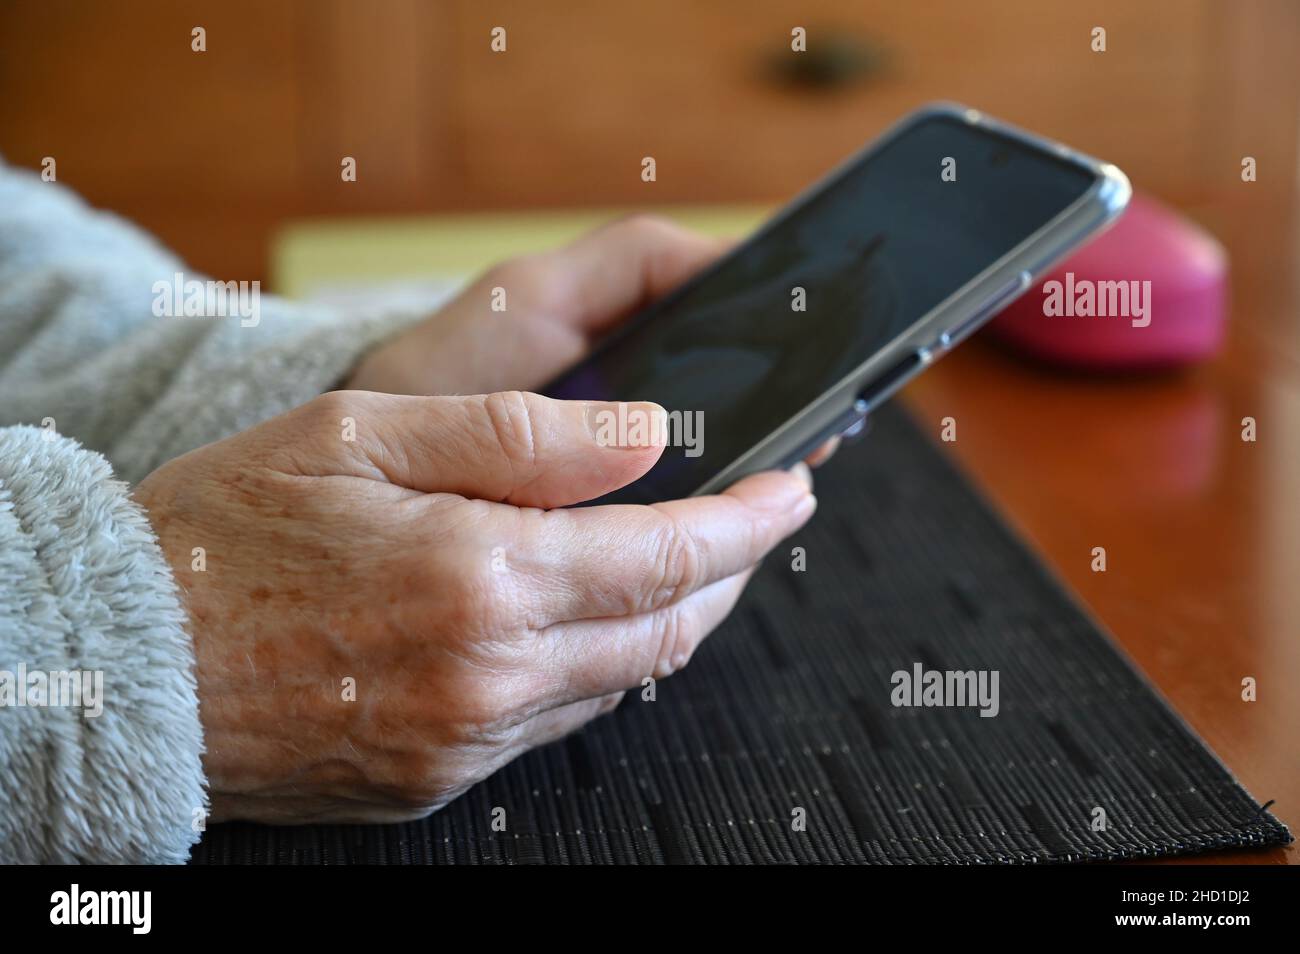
(213, 149)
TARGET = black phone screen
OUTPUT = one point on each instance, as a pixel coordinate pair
(732, 355)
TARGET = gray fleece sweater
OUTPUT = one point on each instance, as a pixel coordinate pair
(100, 738)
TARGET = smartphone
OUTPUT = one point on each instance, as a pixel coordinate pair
(842, 297)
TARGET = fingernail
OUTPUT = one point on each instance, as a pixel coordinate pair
(802, 471)
(632, 425)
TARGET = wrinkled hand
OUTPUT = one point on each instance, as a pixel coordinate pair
(382, 622)
(556, 304)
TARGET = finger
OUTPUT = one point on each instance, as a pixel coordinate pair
(608, 273)
(511, 446)
(823, 453)
(617, 560)
(802, 471)
(599, 656)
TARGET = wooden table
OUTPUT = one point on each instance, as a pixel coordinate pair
(1201, 529)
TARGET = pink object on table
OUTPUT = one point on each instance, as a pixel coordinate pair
(1176, 319)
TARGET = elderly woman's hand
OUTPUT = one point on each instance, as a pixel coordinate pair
(385, 608)
(550, 308)
(556, 305)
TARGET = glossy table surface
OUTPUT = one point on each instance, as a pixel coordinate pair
(1201, 528)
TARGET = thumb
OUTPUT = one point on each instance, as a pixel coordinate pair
(616, 269)
(515, 447)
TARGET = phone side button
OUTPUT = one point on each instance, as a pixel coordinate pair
(846, 425)
(887, 383)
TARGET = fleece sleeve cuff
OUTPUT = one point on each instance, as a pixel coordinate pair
(100, 739)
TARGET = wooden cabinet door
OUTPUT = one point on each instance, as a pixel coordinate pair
(584, 91)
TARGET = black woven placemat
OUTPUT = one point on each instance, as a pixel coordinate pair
(779, 743)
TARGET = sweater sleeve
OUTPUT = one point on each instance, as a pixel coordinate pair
(100, 739)
(83, 345)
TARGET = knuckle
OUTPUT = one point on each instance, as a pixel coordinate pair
(310, 436)
(512, 423)
(678, 565)
(678, 638)
(330, 407)
(483, 707)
